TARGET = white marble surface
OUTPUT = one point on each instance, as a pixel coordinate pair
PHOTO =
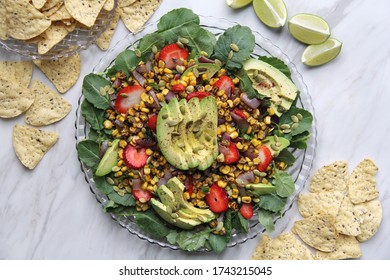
(49, 213)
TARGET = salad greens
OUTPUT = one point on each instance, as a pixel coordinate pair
(182, 25)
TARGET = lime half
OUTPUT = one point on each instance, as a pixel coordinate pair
(237, 4)
(309, 29)
(315, 55)
(272, 13)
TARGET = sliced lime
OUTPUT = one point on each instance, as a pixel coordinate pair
(309, 29)
(315, 55)
(272, 13)
(237, 4)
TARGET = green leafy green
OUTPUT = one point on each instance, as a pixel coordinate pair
(126, 61)
(102, 185)
(239, 222)
(94, 116)
(286, 156)
(278, 64)
(219, 242)
(304, 124)
(299, 141)
(246, 84)
(148, 41)
(242, 37)
(88, 151)
(192, 240)
(91, 90)
(284, 183)
(266, 219)
(199, 39)
(272, 202)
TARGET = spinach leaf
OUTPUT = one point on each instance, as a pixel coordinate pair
(284, 183)
(304, 124)
(126, 200)
(266, 219)
(241, 36)
(278, 64)
(192, 240)
(148, 41)
(239, 222)
(102, 185)
(286, 156)
(91, 90)
(246, 85)
(94, 116)
(217, 242)
(199, 39)
(299, 141)
(272, 202)
(126, 61)
(172, 236)
(88, 152)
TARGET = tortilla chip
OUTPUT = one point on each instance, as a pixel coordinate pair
(52, 36)
(53, 9)
(317, 231)
(138, 13)
(24, 21)
(60, 14)
(84, 11)
(39, 3)
(109, 5)
(125, 3)
(332, 177)
(48, 106)
(370, 214)
(326, 202)
(19, 72)
(3, 21)
(261, 249)
(361, 183)
(347, 247)
(347, 220)
(31, 144)
(63, 73)
(284, 247)
(51, 4)
(14, 99)
(103, 42)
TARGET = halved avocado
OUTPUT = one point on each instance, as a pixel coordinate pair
(109, 160)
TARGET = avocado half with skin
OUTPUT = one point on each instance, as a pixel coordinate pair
(271, 82)
(187, 132)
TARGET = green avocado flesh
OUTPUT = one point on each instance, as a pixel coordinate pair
(271, 82)
(203, 68)
(109, 160)
(282, 144)
(187, 132)
(174, 209)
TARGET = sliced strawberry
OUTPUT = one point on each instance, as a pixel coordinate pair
(224, 83)
(230, 153)
(217, 199)
(173, 55)
(189, 184)
(128, 97)
(152, 122)
(239, 113)
(246, 210)
(133, 157)
(178, 88)
(140, 194)
(266, 157)
(197, 94)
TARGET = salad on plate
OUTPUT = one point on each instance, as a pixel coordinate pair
(191, 135)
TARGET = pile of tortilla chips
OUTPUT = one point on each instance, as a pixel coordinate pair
(339, 211)
(47, 22)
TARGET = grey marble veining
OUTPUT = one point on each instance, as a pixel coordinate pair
(50, 213)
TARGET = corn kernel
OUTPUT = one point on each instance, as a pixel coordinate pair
(186, 195)
(236, 101)
(107, 124)
(145, 110)
(256, 161)
(149, 152)
(230, 129)
(246, 199)
(236, 80)
(239, 146)
(204, 76)
(234, 135)
(235, 193)
(122, 143)
(193, 195)
(120, 163)
(221, 92)
(267, 120)
(222, 184)
(115, 132)
(224, 169)
(193, 83)
(167, 71)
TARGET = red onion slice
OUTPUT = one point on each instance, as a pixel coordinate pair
(250, 102)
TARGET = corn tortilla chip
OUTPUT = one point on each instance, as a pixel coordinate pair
(50, 4)
(63, 73)
(326, 202)
(24, 21)
(14, 99)
(347, 247)
(19, 72)
(125, 3)
(31, 144)
(53, 9)
(361, 183)
(317, 231)
(332, 177)
(39, 3)
(347, 220)
(48, 106)
(84, 11)
(3, 21)
(261, 248)
(138, 13)
(103, 42)
(52, 36)
(109, 5)
(60, 14)
(370, 214)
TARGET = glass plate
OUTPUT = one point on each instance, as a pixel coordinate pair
(77, 40)
(300, 171)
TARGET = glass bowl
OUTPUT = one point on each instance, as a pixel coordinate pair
(300, 171)
(79, 39)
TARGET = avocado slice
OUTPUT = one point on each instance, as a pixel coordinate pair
(109, 160)
(271, 82)
(187, 132)
(203, 68)
(260, 189)
(270, 142)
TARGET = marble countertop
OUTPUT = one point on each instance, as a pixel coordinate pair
(50, 213)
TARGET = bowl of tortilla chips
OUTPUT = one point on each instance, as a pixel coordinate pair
(46, 29)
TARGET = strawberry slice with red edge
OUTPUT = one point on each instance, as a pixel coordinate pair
(231, 153)
(152, 122)
(265, 156)
(178, 88)
(224, 83)
(217, 199)
(173, 55)
(127, 97)
(133, 157)
(197, 94)
(140, 194)
(246, 210)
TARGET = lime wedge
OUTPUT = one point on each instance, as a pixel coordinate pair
(272, 13)
(315, 55)
(237, 4)
(309, 29)
(109, 160)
